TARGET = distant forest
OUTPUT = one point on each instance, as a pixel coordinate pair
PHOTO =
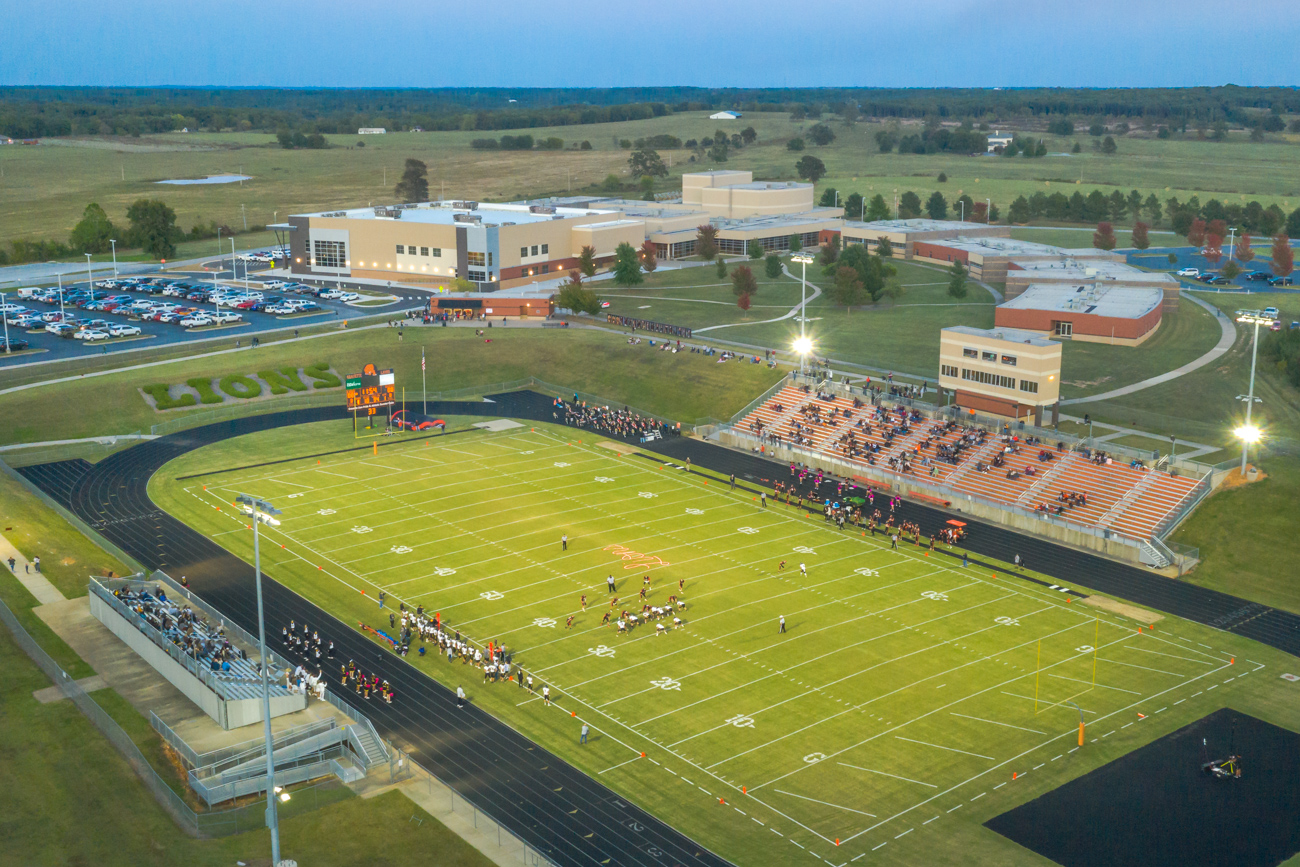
(33, 112)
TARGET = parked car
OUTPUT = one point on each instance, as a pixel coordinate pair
(1258, 275)
(61, 329)
(196, 320)
(13, 344)
(27, 321)
(99, 324)
(349, 297)
(90, 335)
(226, 316)
(1188, 272)
(1280, 281)
(1214, 279)
(120, 330)
(8, 308)
(1271, 311)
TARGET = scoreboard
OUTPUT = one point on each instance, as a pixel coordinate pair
(370, 389)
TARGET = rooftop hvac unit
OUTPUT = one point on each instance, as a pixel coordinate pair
(467, 218)
(393, 213)
(541, 209)
(465, 206)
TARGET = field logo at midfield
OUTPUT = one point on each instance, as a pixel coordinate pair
(634, 559)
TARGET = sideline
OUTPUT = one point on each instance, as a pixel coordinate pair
(1227, 337)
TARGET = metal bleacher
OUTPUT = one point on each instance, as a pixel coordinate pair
(1122, 496)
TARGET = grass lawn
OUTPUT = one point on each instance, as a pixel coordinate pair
(59, 770)
(698, 297)
(45, 188)
(592, 361)
(904, 689)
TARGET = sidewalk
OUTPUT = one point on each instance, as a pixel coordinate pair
(36, 583)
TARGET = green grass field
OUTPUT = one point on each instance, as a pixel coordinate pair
(44, 189)
(890, 717)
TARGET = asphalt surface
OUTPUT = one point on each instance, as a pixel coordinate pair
(1157, 258)
(162, 334)
(550, 804)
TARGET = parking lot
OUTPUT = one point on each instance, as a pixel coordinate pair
(138, 311)
(1254, 277)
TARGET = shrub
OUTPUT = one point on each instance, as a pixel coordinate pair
(239, 386)
(203, 385)
(282, 380)
(485, 144)
(162, 398)
(320, 371)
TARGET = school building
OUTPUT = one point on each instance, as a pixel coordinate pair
(1092, 313)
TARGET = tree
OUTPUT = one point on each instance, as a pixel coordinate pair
(830, 251)
(1231, 269)
(979, 213)
(1019, 211)
(706, 242)
(796, 243)
(645, 162)
(854, 207)
(722, 268)
(1104, 237)
(847, 290)
(743, 285)
(1097, 129)
(821, 134)
(754, 249)
(772, 266)
(886, 140)
(810, 168)
(587, 261)
(1140, 239)
(964, 206)
(957, 282)
(414, 185)
(649, 256)
(884, 248)
(1283, 256)
(153, 227)
(1213, 250)
(92, 234)
(1243, 252)
(1134, 203)
(627, 265)
(829, 199)
(1152, 207)
(1118, 205)
(873, 271)
(573, 296)
(1108, 145)
(943, 178)
(877, 209)
(936, 206)
(909, 206)
(1196, 233)
(748, 135)
(795, 144)
(1293, 224)
(994, 213)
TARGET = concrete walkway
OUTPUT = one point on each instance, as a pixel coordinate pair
(103, 441)
(796, 310)
(36, 583)
(1227, 337)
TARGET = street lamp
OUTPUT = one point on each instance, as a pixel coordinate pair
(4, 318)
(257, 508)
(805, 260)
(90, 286)
(1248, 432)
(113, 241)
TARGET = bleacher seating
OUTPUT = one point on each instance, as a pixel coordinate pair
(1128, 500)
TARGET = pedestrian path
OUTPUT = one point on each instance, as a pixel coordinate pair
(36, 583)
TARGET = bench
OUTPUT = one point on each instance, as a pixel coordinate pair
(926, 498)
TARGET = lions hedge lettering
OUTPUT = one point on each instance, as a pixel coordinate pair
(239, 386)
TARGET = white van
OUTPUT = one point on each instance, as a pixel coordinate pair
(30, 292)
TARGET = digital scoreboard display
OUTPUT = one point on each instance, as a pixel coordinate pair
(370, 389)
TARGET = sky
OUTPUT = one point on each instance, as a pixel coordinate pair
(606, 43)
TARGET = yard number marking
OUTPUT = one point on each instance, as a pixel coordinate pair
(813, 758)
(444, 572)
(1006, 621)
(666, 683)
(492, 595)
(599, 650)
(361, 529)
(647, 495)
(529, 452)
(746, 530)
(603, 479)
(936, 596)
(741, 721)
(1084, 648)
(804, 549)
(293, 496)
(865, 572)
(324, 511)
(400, 549)
(561, 464)
(695, 511)
(544, 622)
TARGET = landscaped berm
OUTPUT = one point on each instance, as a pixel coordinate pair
(766, 682)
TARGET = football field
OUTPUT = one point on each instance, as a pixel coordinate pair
(905, 690)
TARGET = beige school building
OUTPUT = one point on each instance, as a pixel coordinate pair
(1004, 372)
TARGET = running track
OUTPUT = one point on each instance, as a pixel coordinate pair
(551, 805)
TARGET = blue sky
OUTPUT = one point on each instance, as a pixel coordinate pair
(598, 43)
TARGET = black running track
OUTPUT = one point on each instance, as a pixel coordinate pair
(554, 807)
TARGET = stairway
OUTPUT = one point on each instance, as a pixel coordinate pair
(371, 749)
(1033, 490)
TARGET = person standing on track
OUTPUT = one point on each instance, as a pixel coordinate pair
(733, 481)
(460, 696)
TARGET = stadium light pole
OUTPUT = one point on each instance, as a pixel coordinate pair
(257, 508)
(802, 344)
(1248, 432)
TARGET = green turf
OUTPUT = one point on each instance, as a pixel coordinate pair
(893, 712)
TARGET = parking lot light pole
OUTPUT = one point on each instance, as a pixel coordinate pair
(113, 241)
(259, 508)
(90, 285)
(63, 314)
(4, 317)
